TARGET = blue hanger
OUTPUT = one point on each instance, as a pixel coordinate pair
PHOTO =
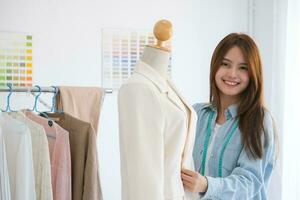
(36, 98)
(50, 121)
(53, 108)
(8, 109)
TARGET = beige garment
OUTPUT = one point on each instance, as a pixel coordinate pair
(40, 154)
(84, 159)
(83, 103)
(157, 134)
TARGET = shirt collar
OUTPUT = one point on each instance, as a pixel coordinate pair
(230, 112)
(148, 72)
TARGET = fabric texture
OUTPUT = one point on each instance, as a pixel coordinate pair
(83, 103)
(157, 132)
(211, 147)
(41, 159)
(60, 158)
(85, 168)
(4, 176)
(19, 158)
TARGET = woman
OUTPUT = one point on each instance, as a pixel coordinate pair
(234, 151)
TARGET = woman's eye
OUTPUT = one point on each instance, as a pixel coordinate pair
(225, 64)
(244, 68)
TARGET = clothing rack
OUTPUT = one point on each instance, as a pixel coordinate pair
(43, 89)
(33, 90)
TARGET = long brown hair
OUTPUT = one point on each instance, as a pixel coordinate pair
(251, 108)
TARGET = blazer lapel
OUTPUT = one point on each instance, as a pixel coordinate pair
(149, 73)
(187, 160)
(175, 100)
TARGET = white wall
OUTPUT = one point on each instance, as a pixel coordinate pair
(269, 31)
(67, 49)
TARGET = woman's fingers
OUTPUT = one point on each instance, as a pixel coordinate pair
(189, 186)
(192, 180)
(187, 178)
(188, 172)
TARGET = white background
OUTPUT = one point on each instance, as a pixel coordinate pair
(67, 51)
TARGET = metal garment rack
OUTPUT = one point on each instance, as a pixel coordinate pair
(33, 90)
(43, 89)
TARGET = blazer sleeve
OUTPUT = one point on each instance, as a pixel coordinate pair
(141, 124)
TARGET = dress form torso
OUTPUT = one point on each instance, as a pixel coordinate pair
(157, 59)
(156, 130)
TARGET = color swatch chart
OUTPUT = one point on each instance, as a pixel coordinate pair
(121, 49)
(15, 59)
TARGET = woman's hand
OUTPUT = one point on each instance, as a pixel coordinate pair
(193, 181)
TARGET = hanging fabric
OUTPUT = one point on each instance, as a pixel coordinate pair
(53, 156)
(41, 159)
(60, 158)
(19, 158)
(85, 169)
(4, 176)
(83, 103)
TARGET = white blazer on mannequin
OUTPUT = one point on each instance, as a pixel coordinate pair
(157, 133)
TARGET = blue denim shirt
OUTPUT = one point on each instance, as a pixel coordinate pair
(242, 177)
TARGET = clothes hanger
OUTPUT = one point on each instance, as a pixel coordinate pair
(34, 109)
(36, 98)
(1, 110)
(8, 109)
(50, 121)
(53, 107)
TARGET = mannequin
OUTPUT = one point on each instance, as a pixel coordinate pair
(157, 127)
(158, 56)
(158, 59)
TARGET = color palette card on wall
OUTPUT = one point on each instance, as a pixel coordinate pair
(120, 51)
(15, 59)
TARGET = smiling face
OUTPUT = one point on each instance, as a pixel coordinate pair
(232, 77)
